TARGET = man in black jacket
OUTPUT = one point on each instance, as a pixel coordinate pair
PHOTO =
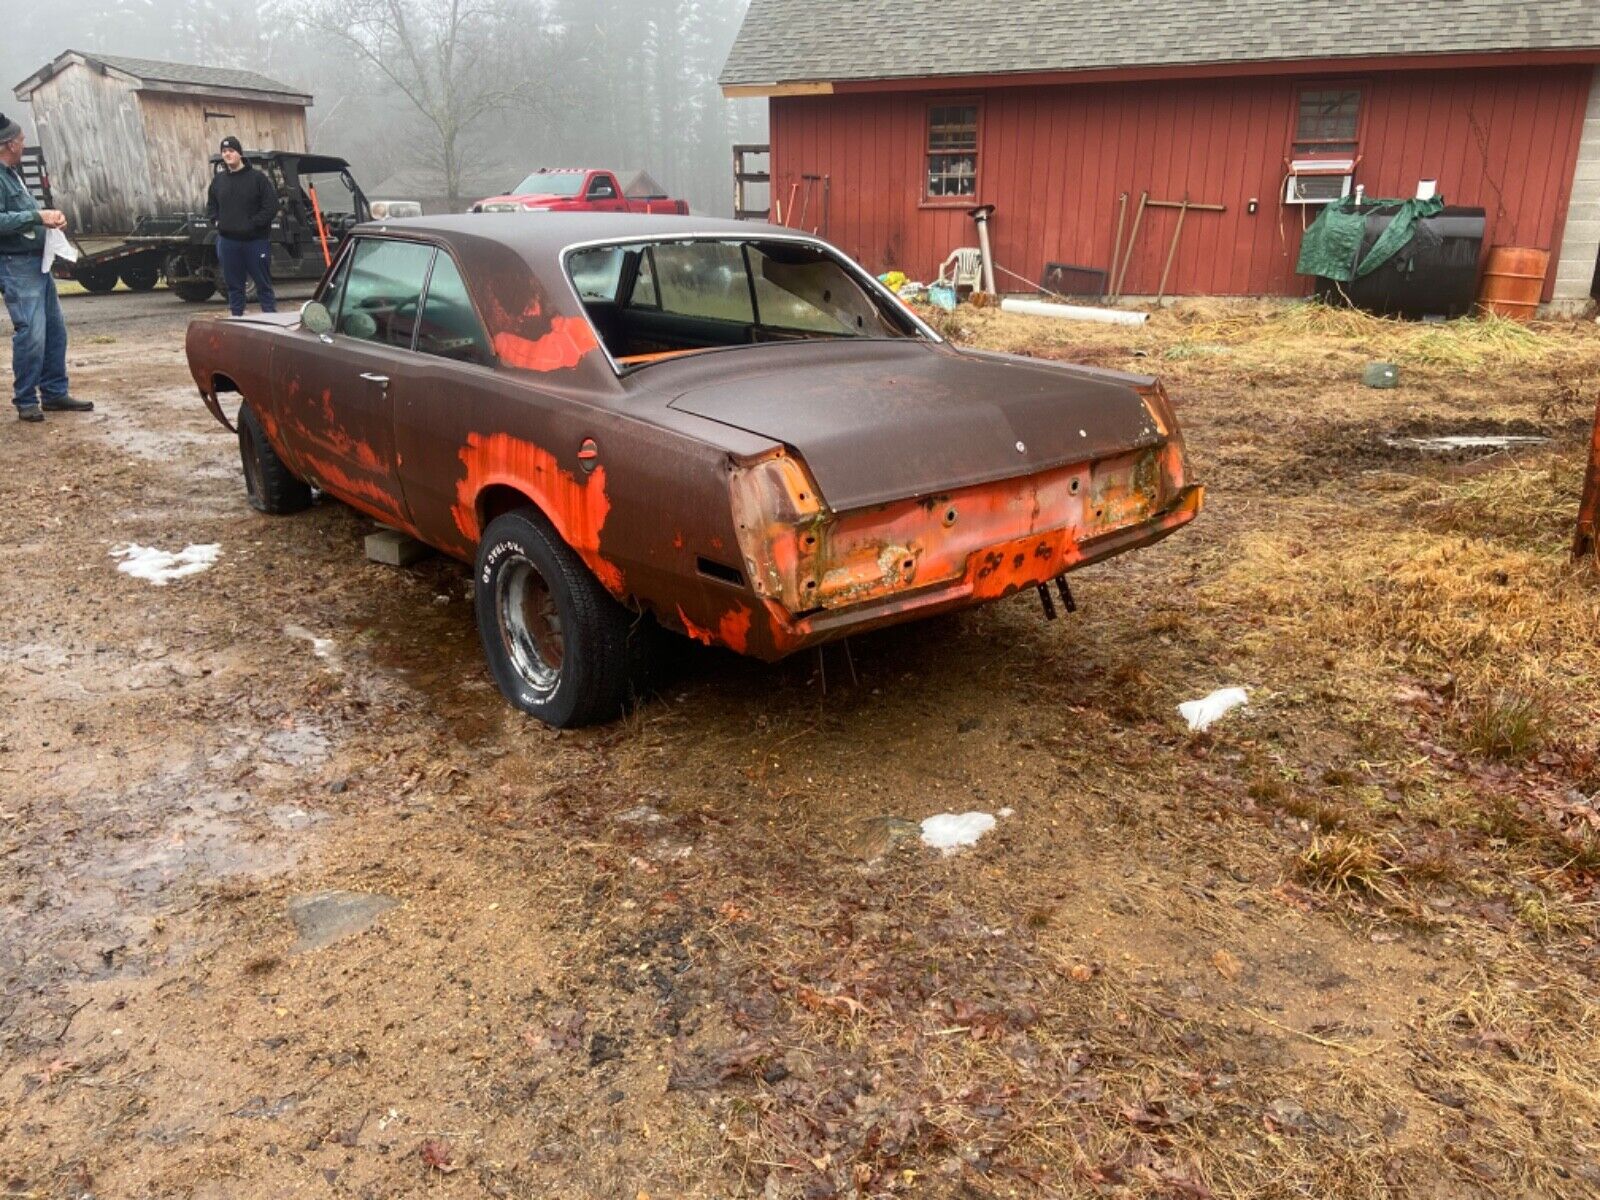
(241, 205)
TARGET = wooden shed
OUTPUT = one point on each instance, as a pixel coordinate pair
(124, 137)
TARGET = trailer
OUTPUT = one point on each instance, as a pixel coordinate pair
(319, 203)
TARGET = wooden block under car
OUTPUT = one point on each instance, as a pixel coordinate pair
(394, 549)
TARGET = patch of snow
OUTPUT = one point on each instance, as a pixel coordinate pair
(1007, 811)
(1444, 445)
(951, 831)
(162, 566)
(1202, 713)
(642, 813)
(320, 646)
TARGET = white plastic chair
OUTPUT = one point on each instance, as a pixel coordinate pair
(967, 265)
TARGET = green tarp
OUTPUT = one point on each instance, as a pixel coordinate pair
(1332, 244)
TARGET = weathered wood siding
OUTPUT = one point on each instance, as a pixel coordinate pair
(184, 132)
(94, 145)
(116, 152)
(1053, 161)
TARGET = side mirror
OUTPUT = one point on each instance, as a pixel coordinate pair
(315, 316)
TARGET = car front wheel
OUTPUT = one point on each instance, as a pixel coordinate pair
(557, 643)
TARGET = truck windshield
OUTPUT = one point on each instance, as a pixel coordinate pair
(334, 195)
(550, 183)
(650, 300)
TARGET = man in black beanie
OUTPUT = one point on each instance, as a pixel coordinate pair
(241, 205)
(39, 332)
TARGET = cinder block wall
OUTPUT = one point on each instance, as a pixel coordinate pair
(1580, 245)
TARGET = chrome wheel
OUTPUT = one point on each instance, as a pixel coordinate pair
(530, 625)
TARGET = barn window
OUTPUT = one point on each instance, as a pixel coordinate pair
(952, 151)
(1327, 122)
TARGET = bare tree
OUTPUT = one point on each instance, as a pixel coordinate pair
(456, 61)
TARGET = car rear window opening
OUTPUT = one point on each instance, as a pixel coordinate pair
(654, 300)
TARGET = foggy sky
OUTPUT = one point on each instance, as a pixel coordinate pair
(605, 111)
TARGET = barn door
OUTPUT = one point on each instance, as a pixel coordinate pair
(219, 125)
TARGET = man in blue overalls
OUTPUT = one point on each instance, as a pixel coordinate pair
(39, 337)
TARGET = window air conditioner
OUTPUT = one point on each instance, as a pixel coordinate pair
(1318, 180)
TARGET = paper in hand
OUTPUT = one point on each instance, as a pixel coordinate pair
(57, 246)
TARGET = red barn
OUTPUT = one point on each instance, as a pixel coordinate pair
(914, 111)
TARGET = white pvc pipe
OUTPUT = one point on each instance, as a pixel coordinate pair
(1073, 312)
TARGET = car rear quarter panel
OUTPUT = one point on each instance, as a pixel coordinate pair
(640, 502)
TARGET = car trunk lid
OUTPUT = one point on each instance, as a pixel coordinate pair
(879, 420)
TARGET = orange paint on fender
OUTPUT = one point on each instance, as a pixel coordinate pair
(704, 636)
(733, 629)
(576, 507)
(569, 339)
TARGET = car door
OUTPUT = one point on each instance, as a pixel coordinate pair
(336, 390)
(453, 395)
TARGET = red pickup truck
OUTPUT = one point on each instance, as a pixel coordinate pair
(577, 189)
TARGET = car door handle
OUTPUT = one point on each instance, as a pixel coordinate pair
(370, 377)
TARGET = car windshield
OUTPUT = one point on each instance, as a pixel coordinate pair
(550, 183)
(652, 300)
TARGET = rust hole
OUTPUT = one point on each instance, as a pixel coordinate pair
(1073, 487)
(949, 517)
(907, 565)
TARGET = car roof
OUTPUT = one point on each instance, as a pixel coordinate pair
(511, 264)
(537, 236)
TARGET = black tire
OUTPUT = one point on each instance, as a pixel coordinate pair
(558, 645)
(193, 291)
(98, 280)
(140, 277)
(271, 486)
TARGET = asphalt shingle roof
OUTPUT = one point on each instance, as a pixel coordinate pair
(169, 72)
(794, 40)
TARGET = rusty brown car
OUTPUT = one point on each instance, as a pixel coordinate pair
(730, 428)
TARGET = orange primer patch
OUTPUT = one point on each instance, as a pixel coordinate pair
(569, 339)
(733, 629)
(360, 493)
(576, 507)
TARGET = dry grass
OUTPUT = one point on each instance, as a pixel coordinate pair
(1505, 724)
(1343, 945)
(1343, 864)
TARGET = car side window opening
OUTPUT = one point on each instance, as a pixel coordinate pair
(595, 273)
(384, 291)
(653, 300)
(705, 280)
(450, 327)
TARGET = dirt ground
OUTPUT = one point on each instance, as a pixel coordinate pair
(1341, 944)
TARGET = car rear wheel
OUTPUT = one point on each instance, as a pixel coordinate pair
(271, 486)
(557, 643)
